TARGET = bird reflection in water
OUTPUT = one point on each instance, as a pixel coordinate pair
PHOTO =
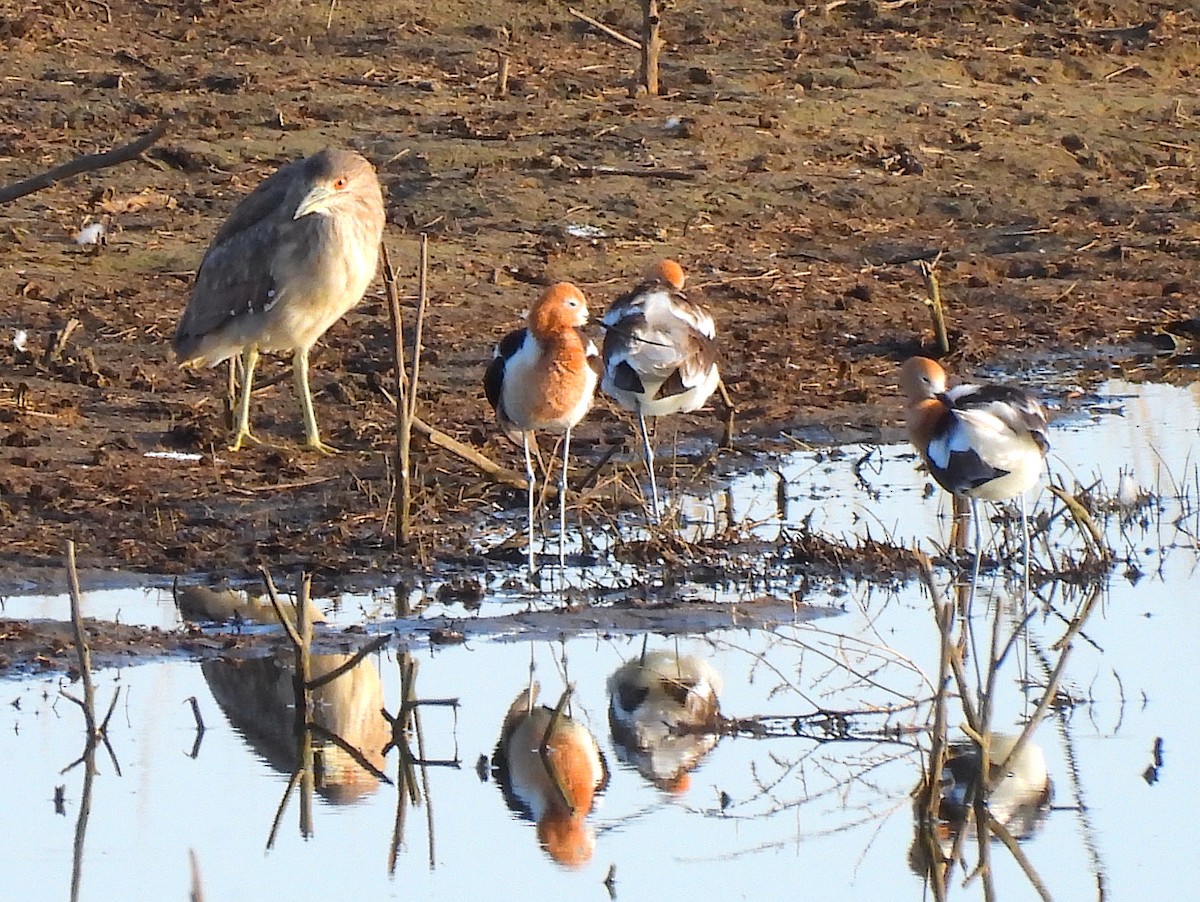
(198, 604)
(258, 697)
(1019, 801)
(664, 716)
(550, 770)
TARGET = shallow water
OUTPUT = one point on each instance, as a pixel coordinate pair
(762, 818)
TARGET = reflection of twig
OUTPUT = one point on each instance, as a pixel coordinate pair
(1083, 812)
(301, 638)
(408, 792)
(979, 729)
(287, 794)
(373, 646)
(1010, 842)
(944, 613)
(548, 761)
(416, 717)
(1064, 644)
(85, 810)
(308, 778)
(353, 751)
(199, 727)
(197, 894)
(408, 718)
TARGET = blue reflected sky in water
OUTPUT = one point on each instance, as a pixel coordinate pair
(836, 822)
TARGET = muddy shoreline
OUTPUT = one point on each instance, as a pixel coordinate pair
(1048, 155)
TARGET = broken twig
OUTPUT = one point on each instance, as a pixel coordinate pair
(601, 27)
(87, 163)
(929, 272)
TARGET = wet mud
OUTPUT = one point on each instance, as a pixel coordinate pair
(798, 165)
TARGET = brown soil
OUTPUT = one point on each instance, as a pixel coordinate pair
(1047, 148)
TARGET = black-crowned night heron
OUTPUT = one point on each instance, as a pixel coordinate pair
(660, 353)
(293, 257)
(543, 377)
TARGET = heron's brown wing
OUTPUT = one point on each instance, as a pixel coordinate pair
(237, 277)
(236, 274)
(268, 199)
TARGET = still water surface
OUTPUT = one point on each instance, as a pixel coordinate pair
(781, 817)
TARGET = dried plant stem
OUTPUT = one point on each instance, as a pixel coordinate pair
(636, 172)
(929, 272)
(651, 46)
(277, 604)
(82, 650)
(1001, 833)
(406, 388)
(502, 61)
(401, 489)
(58, 341)
(1091, 532)
(601, 27)
(730, 414)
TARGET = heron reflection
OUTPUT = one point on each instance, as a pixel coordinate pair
(258, 696)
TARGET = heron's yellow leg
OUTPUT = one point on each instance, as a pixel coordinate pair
(300, 371)
(241, 426)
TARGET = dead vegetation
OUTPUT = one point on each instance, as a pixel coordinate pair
(802, 169)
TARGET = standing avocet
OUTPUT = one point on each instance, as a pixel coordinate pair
(543, 378)
(979, 441)
(660, 353)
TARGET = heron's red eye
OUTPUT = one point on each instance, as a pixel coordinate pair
(339, 184)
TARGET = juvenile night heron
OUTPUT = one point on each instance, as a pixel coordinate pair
(293, 257)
